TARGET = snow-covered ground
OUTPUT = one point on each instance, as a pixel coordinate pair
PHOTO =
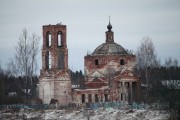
(83, 114)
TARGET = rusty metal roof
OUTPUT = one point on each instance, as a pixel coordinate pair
(109, 49)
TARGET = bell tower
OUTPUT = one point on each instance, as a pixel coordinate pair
(55, 81)
(55, 52)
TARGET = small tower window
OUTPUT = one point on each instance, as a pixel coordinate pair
(48, 39)
(96, 62)
(122, 62)
(59, 38)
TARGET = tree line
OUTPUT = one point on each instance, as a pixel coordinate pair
(13, 88)
(77, 79)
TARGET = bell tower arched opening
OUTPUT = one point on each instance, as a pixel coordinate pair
(48, 39)
(48, 60)
(61, 60)
(59, 36)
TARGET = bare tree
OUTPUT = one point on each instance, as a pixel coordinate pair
(131, 52)
(24, 62)
(146, 60)
(146, 57)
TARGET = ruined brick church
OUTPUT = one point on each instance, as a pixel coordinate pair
(108, 71)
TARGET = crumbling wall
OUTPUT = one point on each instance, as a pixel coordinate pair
(107, 64)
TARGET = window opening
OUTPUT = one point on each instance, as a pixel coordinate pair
(83, 98)
(121, 96)
(106, 97)
(48, 42)
(96, 62)
(96, 98)
(122, 62)
(89, 98)
(48, 60)
(59, 38)
(61, 60)
(128, 84)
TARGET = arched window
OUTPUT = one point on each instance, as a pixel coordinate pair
(61, 60)
(48, 39)
(48, 60)
(122, 62)
(59, 38)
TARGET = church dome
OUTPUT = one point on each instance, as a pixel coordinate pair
(109, 49)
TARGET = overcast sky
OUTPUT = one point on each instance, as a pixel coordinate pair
(86, 22)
